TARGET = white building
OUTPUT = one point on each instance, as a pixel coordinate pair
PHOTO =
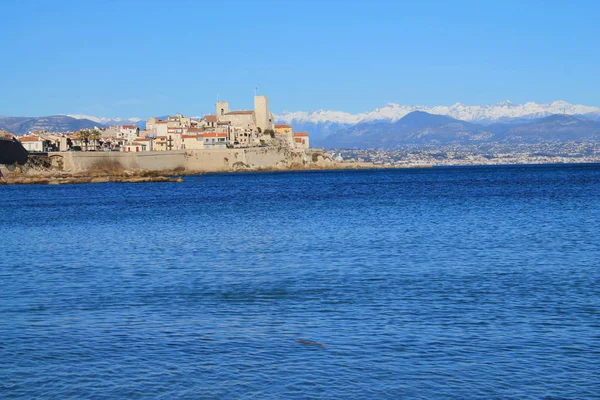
(33, 143)
(301, 140)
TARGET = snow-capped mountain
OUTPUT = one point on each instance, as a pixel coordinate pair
(421, 128)
(106, 121)
(500, 112)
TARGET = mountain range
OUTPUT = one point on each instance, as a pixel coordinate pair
(421, 128)
(107, 121)
(499, 112)
(324, 123)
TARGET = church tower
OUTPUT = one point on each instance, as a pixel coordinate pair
(222, 109)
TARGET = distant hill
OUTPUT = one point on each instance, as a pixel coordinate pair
(421, 128)
(554, 128)
(108, 121)
(417, 127)
(55, 123)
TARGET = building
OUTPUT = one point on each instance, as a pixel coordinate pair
(282, 129)
(167, 143)
(181, 122)
(284, 135)
(227, 128)
(210, 121)
(192, 142)
(161, 143)
(147, 142)
(151, 122)
(301, 140)
(33, 143)
(134, 147)
(247, 126)
(145, 134)
(215, 140)
(129, 131)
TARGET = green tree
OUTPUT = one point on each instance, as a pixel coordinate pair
(84, 137)
(94, 136)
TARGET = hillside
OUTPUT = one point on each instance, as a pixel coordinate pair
(55, 123)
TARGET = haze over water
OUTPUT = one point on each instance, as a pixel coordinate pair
(422, 283)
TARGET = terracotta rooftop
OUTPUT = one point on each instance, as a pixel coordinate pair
(30, 139)
(240, 113)
(214, 134)
(283, 126)
(300, 133)
(128, 127)
(210, 118)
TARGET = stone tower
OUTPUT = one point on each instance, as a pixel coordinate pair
(222, 109)
(261, 113)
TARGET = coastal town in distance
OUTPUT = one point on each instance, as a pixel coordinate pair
(228, 140)
(489, 154)
(224, 129)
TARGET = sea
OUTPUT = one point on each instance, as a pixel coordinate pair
(433, 283)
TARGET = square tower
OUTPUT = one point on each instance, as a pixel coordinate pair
(262, 114)
(222, 109)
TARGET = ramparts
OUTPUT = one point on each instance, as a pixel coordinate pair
(213, 160)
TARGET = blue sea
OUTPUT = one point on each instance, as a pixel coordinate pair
(440, 283)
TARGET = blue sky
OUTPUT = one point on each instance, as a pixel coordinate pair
(142, 58)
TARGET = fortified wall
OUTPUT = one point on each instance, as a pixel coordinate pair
(214, 160)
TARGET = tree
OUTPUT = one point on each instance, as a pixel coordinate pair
(95, 135)
(84, 137)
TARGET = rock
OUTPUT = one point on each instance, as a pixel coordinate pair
(102, 179)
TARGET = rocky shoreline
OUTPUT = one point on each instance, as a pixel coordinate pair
(117, 175)
(64, 179)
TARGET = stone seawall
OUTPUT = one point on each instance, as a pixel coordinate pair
(213, 160)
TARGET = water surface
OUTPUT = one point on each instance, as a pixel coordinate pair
(477, 282)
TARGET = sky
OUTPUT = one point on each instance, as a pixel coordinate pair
(131, 58)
